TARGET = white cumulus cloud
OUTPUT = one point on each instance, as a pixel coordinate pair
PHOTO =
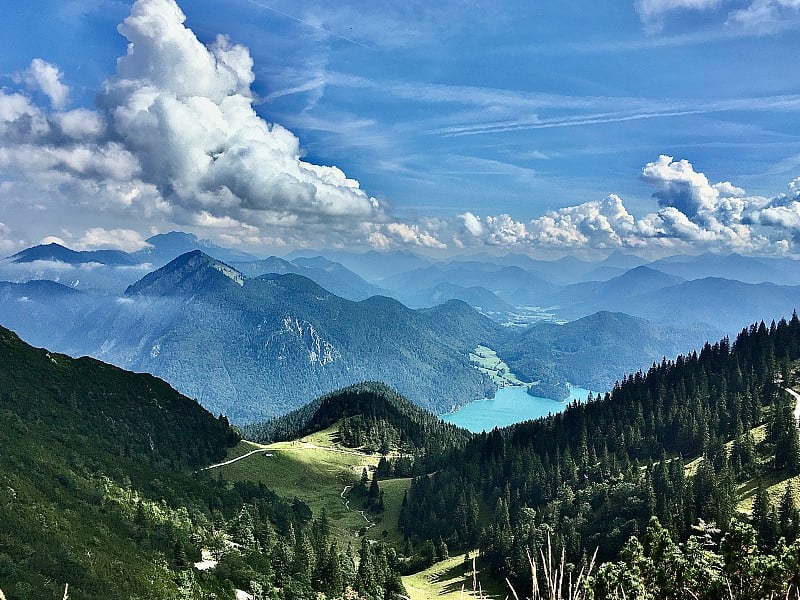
(411, 235)
(121, 239)
(694, 209)
(186, 111)
(472, 224)
(6, 243)
(651, 8)
(176, 139)
(761, 14)
(43, 76)
(692, 214)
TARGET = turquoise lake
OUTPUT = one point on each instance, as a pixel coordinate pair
(510, 405)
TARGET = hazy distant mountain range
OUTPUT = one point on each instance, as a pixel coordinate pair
(109, 271)
(255, 347)
(257, 337)
(329, 274)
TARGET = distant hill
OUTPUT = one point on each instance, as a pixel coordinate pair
(164, 247)
(596, 350)
(331, 275)
(370, 415)
(373, 266)
(112, 271)
(713, 305)
(104, 271)
(58, 253)
(591, 296)
(107, 271)
(36, 288)
(561, 271)
(160, 249)
(476, 296)
(639, 280)
(727, 305)
(192, 273)
(512, 284)
(747, 269)
(43, 310)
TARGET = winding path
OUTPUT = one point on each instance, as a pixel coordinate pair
(233, 460)
(305, 445)
(346, 502)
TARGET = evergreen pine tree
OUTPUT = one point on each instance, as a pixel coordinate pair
(764, 518)
(362, 484)
(789, 515)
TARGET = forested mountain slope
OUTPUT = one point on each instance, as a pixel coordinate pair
(596, 474)
(258, 347)
(369, 415)
(98, 491)
(329, 274)
(596, 350)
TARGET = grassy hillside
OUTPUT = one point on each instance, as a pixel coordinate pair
(327, 446)
(486, 361)
(317, 469)
(314, 474)
(370, 416)
(454, 579)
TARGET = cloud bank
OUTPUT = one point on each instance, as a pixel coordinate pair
(174, 139)
(44, 77)
(693, 214)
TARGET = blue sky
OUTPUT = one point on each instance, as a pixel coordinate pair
(526, 126)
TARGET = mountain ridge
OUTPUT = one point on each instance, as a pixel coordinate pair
(371, 410)
(57, 253)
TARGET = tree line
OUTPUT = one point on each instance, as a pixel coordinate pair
(673, 443)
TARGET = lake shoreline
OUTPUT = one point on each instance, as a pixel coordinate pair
(511, 404)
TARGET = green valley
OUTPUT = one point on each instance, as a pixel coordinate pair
(380, 300)
(360, 486)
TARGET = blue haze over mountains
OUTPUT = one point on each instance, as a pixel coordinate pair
(255, 337)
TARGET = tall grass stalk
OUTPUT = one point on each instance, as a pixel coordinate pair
(555, 587)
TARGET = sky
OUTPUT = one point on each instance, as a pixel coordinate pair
(652, 126)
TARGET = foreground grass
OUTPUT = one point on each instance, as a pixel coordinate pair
(452, 579)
